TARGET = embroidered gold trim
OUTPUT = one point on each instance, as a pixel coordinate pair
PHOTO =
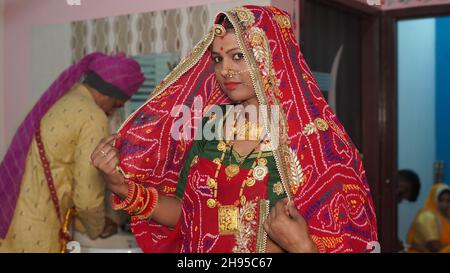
(258, 84)
(245, 16)
(321, 124)
(283, 21)
(247, 224)
(278, 188)
(309, 129)
(296, 171)
(261, 237)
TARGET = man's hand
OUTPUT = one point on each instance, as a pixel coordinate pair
(110, 229)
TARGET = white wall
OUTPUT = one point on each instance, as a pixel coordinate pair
(416, 109)
(50, 55)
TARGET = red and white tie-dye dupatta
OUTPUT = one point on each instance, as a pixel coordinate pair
(319, 166)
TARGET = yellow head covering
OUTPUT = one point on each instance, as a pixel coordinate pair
(431, 205)
(432, 199)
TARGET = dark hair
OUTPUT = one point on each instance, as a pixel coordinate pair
(446, 191)
(223, 20)
(413, 179)
(95, 81)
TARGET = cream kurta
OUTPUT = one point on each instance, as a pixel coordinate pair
(70, 131)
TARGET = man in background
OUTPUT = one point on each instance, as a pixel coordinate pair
(46, 172)
(408, 187)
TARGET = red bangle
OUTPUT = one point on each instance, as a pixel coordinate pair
(117, 204)
(149, 208)
(133, 205)
(139, 202)
(146, 200)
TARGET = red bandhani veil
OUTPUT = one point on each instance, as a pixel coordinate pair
(318, 164)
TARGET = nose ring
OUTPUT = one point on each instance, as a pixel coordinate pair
(231, 73)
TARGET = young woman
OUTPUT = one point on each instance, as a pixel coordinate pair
(430, 230)
(293, 183)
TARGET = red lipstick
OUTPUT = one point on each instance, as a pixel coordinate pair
(230, 86)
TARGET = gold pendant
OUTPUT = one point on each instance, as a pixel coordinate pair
(212, 184)
(260, 172)
(232, 170)
(221, 146)
(211, 203)
(321, 124)
(250, 182)
(228, 220)
(262, 161)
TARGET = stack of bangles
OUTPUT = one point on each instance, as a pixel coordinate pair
(139, 203)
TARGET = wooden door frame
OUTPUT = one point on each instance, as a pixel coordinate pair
(379, 103)
(389, 94)
(373, 136)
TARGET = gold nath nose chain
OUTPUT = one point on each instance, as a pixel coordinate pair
(231, 73)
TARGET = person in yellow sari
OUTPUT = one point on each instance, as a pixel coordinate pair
(430, 230)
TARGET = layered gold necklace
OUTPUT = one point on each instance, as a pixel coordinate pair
(233, 169)
(228, 215)
(249, 131)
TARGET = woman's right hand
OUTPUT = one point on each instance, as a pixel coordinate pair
(106, 159)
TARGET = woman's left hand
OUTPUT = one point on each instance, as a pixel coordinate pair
(288, 229)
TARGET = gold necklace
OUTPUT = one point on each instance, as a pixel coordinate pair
(233, 169)
(248, 131)
(228, 215)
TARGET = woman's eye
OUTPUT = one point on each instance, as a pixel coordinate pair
(217, 59)
(238, 56)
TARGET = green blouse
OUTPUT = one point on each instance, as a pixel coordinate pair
(207, 149)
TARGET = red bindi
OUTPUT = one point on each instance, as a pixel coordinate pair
(221, 48)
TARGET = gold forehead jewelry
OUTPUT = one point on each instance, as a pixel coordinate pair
(219, 30)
